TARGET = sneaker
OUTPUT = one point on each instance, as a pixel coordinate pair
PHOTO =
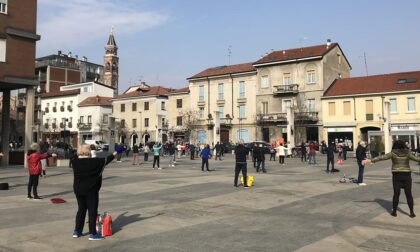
(362, 184)
(76, 234)
(29, 197)
(95, 237)
(412, 215)
(246, 186)
(37, 198)
(159, 168)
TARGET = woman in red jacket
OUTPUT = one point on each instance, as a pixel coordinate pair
(34, 158)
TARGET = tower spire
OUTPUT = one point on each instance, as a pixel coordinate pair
(111, 63)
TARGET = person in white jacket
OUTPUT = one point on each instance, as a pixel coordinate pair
(281, 153)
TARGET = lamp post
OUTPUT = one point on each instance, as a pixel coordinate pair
(65, 120)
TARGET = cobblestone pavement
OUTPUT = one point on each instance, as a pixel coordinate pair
(291, 207)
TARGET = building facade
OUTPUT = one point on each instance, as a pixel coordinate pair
(379, 108)
(140, 115)
(181, 119)
(251, 101)
(17, 58)
(76, 113)
(224, 99)
(295, 80)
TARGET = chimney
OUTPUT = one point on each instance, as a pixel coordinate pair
(59, 52)
(328, 43)
(340, 75)
(69, 55)
(84, 58)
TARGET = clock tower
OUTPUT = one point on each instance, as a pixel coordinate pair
(111, 63)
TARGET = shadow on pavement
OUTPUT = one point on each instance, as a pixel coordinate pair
(123, 220)
(57, 194)
(385, 204)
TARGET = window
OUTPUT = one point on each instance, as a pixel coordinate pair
(264, 108)
(162, 106)
(201, 93)
(122, 123)
(411, 104)
(264, 81)
(311, 105)
(122, 107)
(146, 122)
(201, 113)
(346, 108)
(179, 103)
(134, 107)
(311, 77)
(2, 50)
(89, 118)
(339, 58)
(3, 6)
(201, 137)
(179, 121)
(241, 111)
(221, 112)
(403, 81)
(242, 89)
(369, 110)
(285, 105)
(393, 105)
(134, 123)
(287, 79)
(81, 119)
(331, 108)
(221, 94)
(105, 119)
(146, 105)
(163, 122)
(243, 134)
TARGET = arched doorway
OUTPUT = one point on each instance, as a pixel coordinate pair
(134, 138)
(146, 137)
(364, 132)
(122, 139)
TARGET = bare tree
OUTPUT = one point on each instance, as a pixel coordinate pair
(190, 120)
(103, 128)
(122, 130)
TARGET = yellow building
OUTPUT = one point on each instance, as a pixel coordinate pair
(140, 114)
(180, 116)
(374, 109)
(224, 99)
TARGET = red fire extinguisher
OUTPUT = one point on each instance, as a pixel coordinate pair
(106, 225)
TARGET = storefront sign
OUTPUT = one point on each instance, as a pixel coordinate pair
(339, 129)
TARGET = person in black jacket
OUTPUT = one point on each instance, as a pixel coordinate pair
(241, 153)
(330, 157)
(360, 156)
(261, 159)
(86, 185)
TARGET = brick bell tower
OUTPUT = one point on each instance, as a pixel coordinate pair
(111, 63)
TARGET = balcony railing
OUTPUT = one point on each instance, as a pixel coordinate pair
(84, 126)
(56, 63)
(306, 116)
(272, 118)
(281, 90)
(226, 122)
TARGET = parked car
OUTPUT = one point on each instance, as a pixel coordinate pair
(100, 145)
(229, 147)
(266, 146)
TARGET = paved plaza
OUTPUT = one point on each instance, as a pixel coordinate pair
(292, 207)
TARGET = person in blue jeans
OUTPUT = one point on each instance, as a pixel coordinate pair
(156, 154)
(360, 156)
(205, 155)
(119, 149)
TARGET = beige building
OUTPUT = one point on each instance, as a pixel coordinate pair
(381, 108)
(180, 120)
(140, 114)
(224, 100)
(296, 79)
(251, 100)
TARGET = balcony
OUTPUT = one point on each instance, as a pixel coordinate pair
(84, 126)
(285, 90)
(272, 118)
(226, 122)
(306, 117)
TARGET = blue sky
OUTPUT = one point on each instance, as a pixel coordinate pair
(164, 42)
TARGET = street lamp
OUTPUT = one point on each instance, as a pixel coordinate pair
(240, 122)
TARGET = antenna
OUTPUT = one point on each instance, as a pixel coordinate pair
(229, 52)
(301, 41)
(365, 60)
